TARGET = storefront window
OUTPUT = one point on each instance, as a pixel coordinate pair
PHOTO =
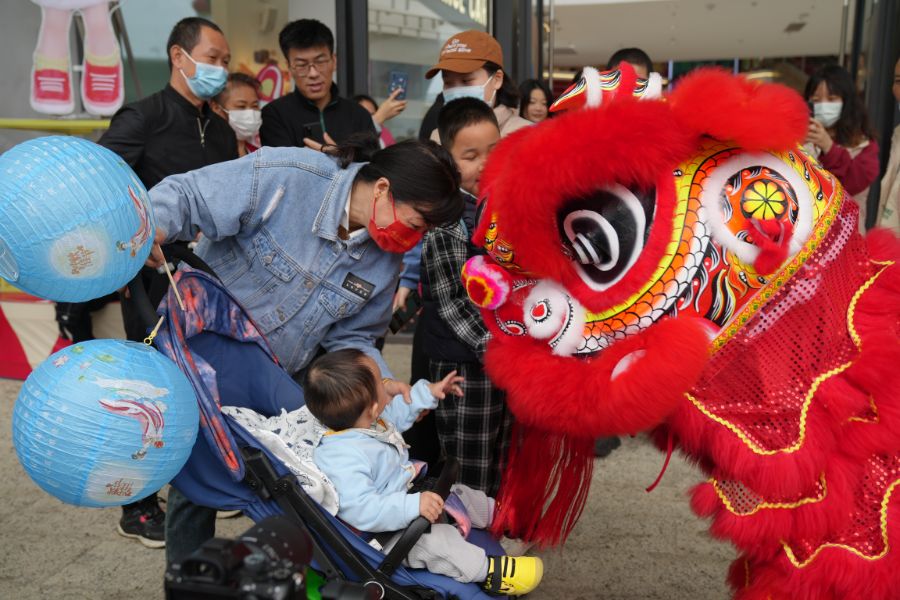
(405, 39)
(148, 25)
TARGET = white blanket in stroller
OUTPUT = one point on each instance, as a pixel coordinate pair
(292, 437)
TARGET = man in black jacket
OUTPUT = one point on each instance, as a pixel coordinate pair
(314, 108)
(169, 132)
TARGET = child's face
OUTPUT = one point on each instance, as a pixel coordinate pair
(382, 399)
(470, 150)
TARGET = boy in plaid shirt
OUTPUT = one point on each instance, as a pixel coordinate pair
(474, 428)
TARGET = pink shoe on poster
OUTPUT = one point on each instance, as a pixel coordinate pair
(51, 91)
(102, 88)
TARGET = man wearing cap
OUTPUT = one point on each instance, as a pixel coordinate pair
(471, 64)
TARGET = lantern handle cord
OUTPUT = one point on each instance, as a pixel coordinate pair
(171, 280)
(149, 339)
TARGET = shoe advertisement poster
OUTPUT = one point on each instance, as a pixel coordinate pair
(100, 82)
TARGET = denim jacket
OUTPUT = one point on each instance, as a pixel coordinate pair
(270, 225)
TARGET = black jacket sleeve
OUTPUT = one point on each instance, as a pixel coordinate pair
(429, 121)
(362, 122)
(127, 135)
(275, 131)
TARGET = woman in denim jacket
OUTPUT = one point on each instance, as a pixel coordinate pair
(311, 244)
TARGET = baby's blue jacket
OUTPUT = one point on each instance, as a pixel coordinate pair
(372, 475)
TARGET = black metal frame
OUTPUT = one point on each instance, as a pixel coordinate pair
(352, 37)
(511, 24)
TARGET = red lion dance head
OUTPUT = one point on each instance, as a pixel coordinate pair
(681, 264)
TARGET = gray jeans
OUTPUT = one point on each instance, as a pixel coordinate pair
(444, 550)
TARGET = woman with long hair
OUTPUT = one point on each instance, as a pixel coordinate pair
(840, 134)
(534, 100)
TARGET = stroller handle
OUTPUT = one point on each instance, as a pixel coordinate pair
(420, 525)
(145, 310)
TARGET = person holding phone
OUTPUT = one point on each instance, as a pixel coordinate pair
(389, 109)
(839, 134)
(314, 114)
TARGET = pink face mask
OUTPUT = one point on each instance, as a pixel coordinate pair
(396, 237)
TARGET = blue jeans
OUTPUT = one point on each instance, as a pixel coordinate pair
(188, 526)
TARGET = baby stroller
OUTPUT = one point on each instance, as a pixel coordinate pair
(228, 362)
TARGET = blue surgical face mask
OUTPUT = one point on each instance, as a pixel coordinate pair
(208, 80)
(827, 113)
(469, 91)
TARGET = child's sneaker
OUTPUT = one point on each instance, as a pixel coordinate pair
(513, 575)
(145, 524)
(102, 88)
(51, 87)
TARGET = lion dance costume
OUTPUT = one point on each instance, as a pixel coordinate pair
(680, 265)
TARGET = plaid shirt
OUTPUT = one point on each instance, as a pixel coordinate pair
(444, 252)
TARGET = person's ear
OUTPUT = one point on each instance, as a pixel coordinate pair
(179, 60)
(334, 64)
(382, 187)
(498, 79)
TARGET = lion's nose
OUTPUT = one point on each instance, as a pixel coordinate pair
(487, 285)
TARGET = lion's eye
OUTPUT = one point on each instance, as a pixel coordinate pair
(606, 232)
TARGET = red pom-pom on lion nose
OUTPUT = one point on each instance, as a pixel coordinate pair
(487, 285)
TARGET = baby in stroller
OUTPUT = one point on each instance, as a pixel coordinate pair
(364, 455)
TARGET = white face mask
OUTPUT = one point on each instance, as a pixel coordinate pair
(245, 122)
(827, 113)
(470, 91)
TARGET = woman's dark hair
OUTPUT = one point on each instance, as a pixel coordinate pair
(422, 174)
(508, 94)
(303, 34)
(359, 98)
(338, 387)
(528, 86)
(852, 127)
(235, 79)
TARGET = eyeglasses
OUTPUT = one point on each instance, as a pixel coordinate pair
(301, 69)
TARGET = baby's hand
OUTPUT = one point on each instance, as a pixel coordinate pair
(430, 506)
(448, 385)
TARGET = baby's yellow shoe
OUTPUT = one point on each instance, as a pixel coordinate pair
(513, 575)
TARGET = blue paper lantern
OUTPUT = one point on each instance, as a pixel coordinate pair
(104, 422)
(75, 221)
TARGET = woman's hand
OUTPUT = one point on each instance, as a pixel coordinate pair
(817, 134)
(451, 384)
(394, 387)
(390, 108)
(156, 258)
(400, 297)
(329, 147)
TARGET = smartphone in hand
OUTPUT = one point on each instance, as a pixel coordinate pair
(399, 79)
(403, 315)
(314, 132)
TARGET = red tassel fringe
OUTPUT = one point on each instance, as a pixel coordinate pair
(547, 474)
